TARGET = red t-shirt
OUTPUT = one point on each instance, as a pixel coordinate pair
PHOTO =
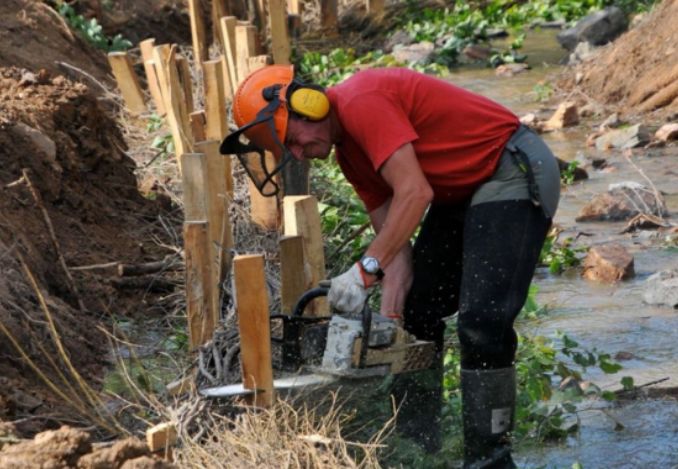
(458, 136)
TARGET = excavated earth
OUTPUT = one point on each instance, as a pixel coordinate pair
(637, 73)
(68, 198)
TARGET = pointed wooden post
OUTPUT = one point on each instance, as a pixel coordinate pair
(218, 12)
(295, 7)
(193, 183)
(292, 275)
(218, 201)
(251, 301)
(302, 218)
(375, 7)
(198, 125)
(128, 83)
(200, 46)
(228, 24)
(245, 46)
(184, 70)
(215, 113)
(280, 43)
(170, 88)
(328, 16)
(202, 319)
(146, 46)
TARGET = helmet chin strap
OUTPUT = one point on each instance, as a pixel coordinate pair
(233, 146)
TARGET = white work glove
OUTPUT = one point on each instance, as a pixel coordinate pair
(347, 291)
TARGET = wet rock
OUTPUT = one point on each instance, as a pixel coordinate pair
(399, 38)
(508, 70)
(609, 263)
(51, 449)
(612, 122)
(531, 120)
(556, 24)
(667, 132)
(662, 288)
(623, 201)
(591, 109)
(565, 116)
(628, 137)
(598, 163)
(623, 355)
(598, 28)
(496, 33)
(419, 53)
(580, 174)
(477, 52)
(583, 52)
(115, 455)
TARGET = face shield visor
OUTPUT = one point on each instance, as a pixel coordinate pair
(261, 133)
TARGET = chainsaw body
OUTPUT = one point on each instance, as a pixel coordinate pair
(340, 340)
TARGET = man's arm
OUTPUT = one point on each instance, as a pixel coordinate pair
(411, 196)
(398, 274)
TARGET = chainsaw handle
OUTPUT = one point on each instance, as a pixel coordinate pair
(307, 297)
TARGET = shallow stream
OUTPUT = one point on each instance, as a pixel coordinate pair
(611, 318)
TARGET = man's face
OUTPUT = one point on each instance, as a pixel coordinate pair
(308, 140)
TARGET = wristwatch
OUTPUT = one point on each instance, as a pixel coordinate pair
(370, 265)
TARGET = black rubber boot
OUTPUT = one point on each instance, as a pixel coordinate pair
(488, 406)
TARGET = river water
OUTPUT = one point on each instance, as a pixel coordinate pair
(610, 318)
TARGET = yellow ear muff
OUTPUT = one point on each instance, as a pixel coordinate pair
(310, 103)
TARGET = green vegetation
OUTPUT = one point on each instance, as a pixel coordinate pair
(92, 31)
(567, 176)
(559, 255)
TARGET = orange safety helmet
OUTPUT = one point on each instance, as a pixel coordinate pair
(261, 109)
(249, 101)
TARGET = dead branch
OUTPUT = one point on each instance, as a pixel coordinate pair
(38, 200)
(125, 270)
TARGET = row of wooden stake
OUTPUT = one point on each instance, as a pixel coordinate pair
(208, 185)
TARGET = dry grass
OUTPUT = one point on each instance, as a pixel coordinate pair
(281, 437)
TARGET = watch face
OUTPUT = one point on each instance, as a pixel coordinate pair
(371, 265)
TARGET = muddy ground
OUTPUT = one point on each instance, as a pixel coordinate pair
(68, 188)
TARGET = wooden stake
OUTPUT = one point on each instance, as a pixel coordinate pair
(200, 46)
(375, 7)
(258, 61)
(228, 38)
(170, 88)
(218, 12)
(245, 46)
(121, 65)
(280, 42)
(328, 16)
(146, 46)
(202, 318)
(194, 181)
(251, 301)
(215, 105)
(198, 125)
(161, 436)
(295, 7)
(292, 275)
(186, 85)
(218, 201)
(303, 219)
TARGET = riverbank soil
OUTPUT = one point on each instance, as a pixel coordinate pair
(637, 73)
(68, 198)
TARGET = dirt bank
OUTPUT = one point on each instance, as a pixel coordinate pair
(637, 73)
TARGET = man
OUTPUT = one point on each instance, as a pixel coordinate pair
(415, 147)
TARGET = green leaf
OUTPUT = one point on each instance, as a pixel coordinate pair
(627, 382)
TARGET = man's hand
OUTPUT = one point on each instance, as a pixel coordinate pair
(347, 291)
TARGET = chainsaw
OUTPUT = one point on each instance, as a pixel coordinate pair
(365, 345)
